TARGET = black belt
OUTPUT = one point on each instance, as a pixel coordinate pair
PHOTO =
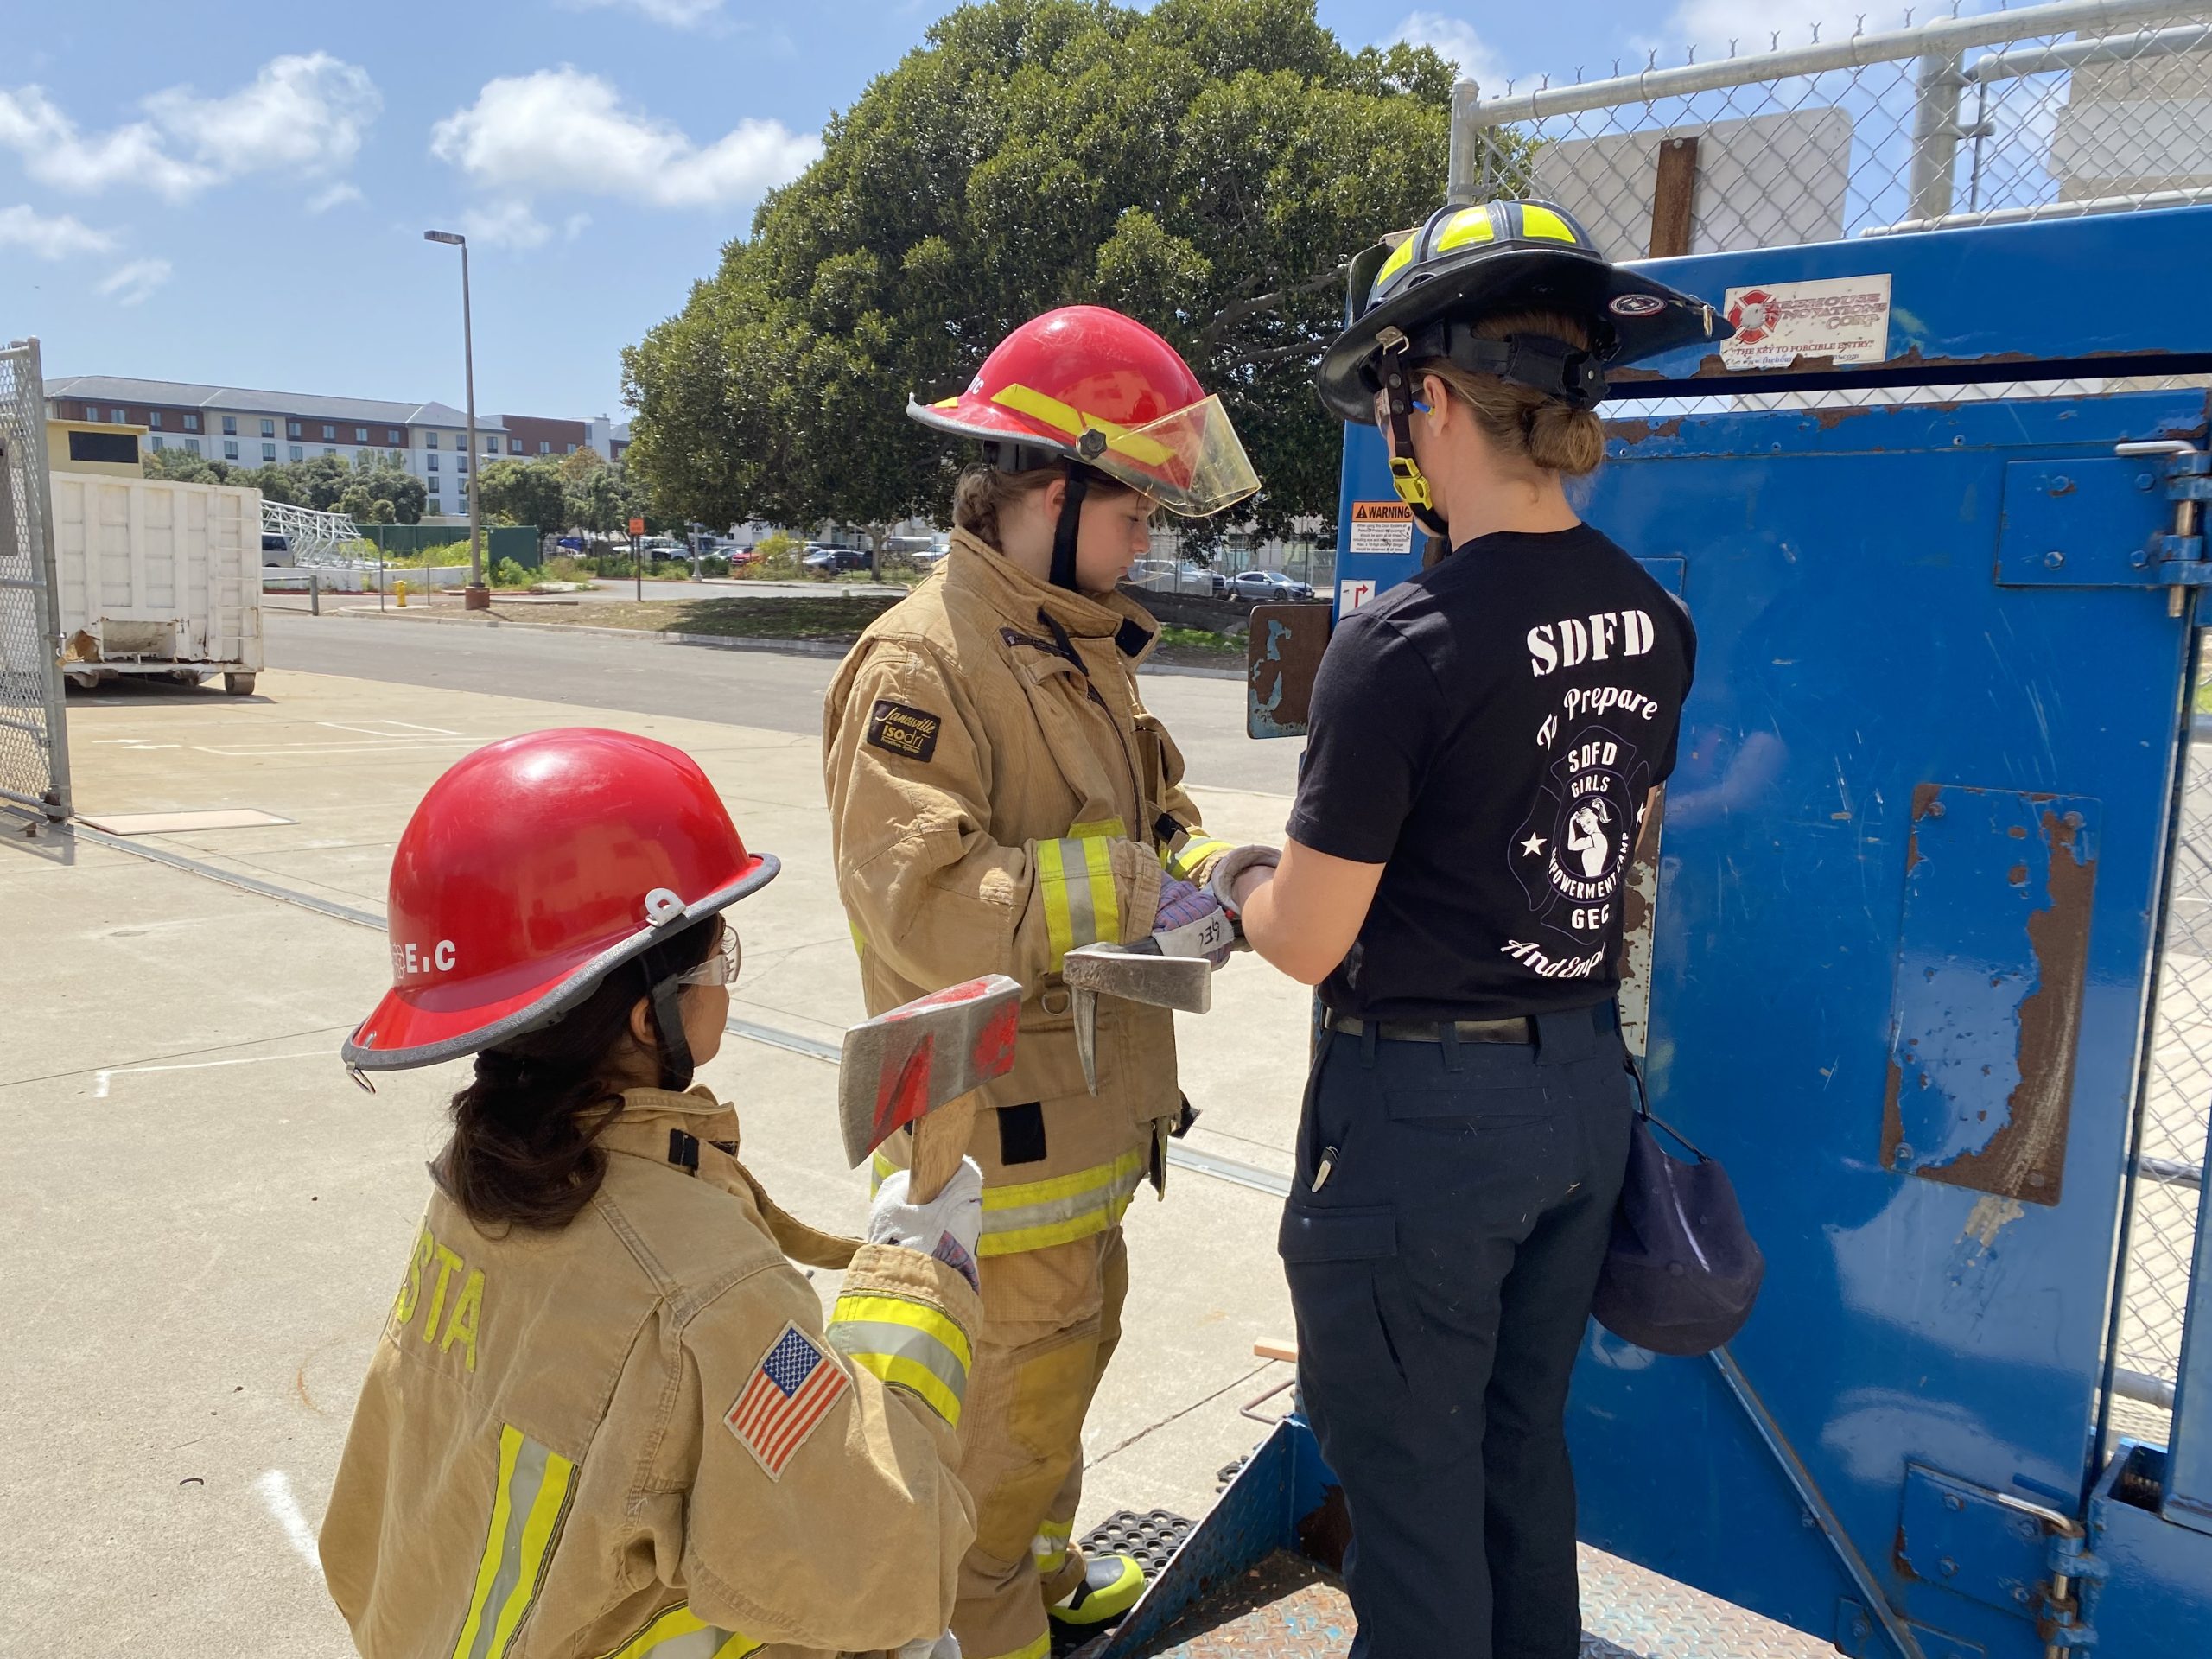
(1519, 1029)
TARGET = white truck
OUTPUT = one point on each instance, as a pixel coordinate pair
(157, 578)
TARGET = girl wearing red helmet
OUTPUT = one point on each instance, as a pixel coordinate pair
(998, 796)
(606, 1415)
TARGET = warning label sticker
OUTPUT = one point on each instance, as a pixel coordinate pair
(1382, 527)
(1843, 319)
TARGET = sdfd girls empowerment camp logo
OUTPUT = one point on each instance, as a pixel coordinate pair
(1572, 852)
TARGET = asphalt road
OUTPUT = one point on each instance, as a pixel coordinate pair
(774, 690)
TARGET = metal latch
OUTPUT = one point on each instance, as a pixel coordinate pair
(1999, 1549)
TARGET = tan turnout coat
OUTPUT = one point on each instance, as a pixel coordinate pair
(998, 794)
(577, 1443)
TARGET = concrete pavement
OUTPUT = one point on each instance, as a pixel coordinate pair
(209, 1217)
(775, 691)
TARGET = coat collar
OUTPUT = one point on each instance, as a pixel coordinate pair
(973, 566)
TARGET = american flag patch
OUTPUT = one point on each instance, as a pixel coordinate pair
(784, 1401)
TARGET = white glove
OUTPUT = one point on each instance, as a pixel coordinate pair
(1234, 864)
(932, 1647)
(948, 1227)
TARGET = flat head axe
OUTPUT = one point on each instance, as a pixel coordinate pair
(1136, 973)
(907, 1062)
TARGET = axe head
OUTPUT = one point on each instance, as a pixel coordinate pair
(1135, 975)
(911, 1060)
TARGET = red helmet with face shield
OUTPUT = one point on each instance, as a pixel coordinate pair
(1086, 384)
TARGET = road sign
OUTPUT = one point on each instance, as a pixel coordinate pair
(637, 526)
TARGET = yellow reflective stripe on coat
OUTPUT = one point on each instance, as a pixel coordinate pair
(1113, 828)
(1036, 1214)
(1075, 877)
(1180, 861)
(1049, 1548)
(678, 1633)
(527, 1507)
(908, 1344)
(880, 1170)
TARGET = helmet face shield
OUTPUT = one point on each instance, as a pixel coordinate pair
(1191, 463)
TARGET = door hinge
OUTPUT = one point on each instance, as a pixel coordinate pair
(2132, 520)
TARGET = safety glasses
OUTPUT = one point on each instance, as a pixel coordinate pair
(721, 966)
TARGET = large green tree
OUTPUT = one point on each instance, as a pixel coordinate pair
(374, 488)
(1208, 166)
(526, 491)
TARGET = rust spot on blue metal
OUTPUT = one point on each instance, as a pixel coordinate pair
(1987, 1026)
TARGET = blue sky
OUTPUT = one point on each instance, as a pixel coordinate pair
(238, 196)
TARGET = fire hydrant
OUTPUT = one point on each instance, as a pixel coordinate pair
(401, 589)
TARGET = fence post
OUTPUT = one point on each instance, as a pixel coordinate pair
(1936, 133)
(315, 593)
(1461, 179)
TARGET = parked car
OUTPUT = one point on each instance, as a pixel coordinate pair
(275, 548)
(738, 555)
(827, 561)
(1268, 586)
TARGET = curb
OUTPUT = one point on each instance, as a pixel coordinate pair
(721, 642)
(711, 641)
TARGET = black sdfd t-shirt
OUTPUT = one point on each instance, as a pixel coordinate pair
(1489, 731)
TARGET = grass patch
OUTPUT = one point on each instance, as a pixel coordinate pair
(1202, 639)
(837, 621)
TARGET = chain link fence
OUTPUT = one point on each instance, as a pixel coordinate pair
(2154, 1295)
(2091, 107)
(33, 740)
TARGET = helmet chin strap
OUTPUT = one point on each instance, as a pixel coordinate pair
(1064, 533)
(676, 1063)
(1405, 475)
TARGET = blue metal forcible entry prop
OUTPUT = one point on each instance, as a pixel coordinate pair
(1901, 954)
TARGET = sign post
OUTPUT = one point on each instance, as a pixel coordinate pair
(638, 553)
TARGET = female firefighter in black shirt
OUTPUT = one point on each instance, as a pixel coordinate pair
(1485, 740)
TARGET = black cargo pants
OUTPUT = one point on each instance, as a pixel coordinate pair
(1442, 1276)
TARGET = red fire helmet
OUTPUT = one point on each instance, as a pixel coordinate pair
(1086, 384)
(529, 873)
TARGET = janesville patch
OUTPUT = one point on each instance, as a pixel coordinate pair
(901, 730)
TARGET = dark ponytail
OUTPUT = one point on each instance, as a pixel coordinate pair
(524, 1149)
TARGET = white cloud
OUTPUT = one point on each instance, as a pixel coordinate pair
(563, 130)
(504, 225)
(677, 14)
(50, 239)
(337, 196)
(56, 153)
(1455, 41)
(130, 284)
(300, 114)
(575, 226)
(304, 114)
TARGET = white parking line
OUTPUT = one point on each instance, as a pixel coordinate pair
(408, 727)
(100, 1079)
(276, 1490)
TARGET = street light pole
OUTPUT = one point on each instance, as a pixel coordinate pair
(478, 596)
